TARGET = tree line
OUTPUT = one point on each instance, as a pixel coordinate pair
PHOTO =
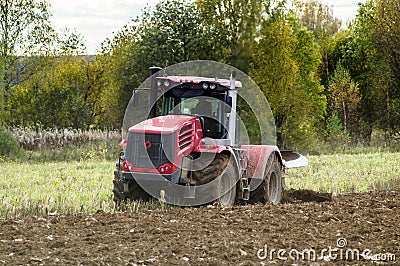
(323, 81)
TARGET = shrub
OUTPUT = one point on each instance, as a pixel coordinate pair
(9, 145)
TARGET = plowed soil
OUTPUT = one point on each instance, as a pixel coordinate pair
(243, 235)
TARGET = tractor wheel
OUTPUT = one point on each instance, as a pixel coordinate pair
(227, 187)
(208, 173)
(118, 189)
(135, 192)
(273, 183)
(257, 195)
(220, 166)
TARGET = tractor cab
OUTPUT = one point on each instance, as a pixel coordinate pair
(208, 99)
(211, 100)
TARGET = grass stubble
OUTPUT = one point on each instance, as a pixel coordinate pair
(85, 186)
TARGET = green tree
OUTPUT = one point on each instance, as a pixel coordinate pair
(237, 22)
(386, 39)
(26, 32)
(355, 51)
(71, 92)
(285, 66)
(69, 42)
(345, 99)
(317, 18)
(2, 91)
(273, 69)
(368, 51)
(312, 100)
(28, 44)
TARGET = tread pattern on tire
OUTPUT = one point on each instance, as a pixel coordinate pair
(276, 170)
(212, 171)
(258, 195)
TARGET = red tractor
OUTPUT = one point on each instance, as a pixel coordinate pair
(188, 151)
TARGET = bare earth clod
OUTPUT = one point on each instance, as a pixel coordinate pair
(305, 195)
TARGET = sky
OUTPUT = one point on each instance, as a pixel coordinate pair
(97, 20)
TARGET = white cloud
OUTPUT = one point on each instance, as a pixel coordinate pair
(96, 20)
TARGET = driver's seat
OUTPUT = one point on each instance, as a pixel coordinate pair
(210, 127)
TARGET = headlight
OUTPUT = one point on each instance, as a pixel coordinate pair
(159, 83)
(205, 86)
(213, 86)
(166, 83)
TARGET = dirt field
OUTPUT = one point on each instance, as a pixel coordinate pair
(338, 231)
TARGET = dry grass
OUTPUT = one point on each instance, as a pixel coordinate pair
(34, 139)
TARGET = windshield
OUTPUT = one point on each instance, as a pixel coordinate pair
(205, 106)
(193, 102)
(209, 107)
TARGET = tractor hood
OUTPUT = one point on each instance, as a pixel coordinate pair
(163, 124)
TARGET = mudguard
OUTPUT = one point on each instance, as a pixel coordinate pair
(257, 159)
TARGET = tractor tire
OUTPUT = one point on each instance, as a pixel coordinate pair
(210, 172)
(273, 183)
(227, 187)
(135, 192)
(223, 168)
(270, 189)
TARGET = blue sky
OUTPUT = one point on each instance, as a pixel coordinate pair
(98, 19)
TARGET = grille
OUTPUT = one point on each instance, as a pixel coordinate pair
(148, 151)
(185, 137)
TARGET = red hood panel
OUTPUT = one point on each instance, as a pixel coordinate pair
(162, 124)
